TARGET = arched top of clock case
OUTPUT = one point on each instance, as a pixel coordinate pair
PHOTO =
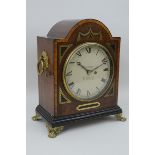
(65, 28)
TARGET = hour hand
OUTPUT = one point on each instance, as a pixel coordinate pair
(79, 63)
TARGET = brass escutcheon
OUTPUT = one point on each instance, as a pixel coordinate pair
(87, 106)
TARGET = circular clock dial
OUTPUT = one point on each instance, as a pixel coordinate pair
(88, 71)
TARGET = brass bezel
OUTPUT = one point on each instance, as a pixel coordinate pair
(65, 66)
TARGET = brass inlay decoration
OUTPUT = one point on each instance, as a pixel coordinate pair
(89, 34)
(42, 63)
(62, 98)
(53, 132)
(62, 50)
(120, 117)
(88, 106)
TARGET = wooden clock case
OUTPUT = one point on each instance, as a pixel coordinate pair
(56, 106)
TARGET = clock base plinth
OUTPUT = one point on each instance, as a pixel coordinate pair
(56, 124)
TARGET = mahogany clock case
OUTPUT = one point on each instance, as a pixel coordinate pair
(56, 106)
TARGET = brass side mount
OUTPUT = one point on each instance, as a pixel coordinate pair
(43, 64)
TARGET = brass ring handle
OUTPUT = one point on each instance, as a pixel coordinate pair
(42, 64)
(40, 67)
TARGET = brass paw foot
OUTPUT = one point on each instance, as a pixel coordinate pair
(37, 117)
(120, 117)
(53, 132)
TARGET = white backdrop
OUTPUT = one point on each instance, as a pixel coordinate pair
(105, 136)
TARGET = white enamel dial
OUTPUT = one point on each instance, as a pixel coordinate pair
(87, 71)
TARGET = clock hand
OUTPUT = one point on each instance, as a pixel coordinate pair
(78, 63)
(95, 68)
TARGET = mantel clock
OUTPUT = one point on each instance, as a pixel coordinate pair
(78, 70)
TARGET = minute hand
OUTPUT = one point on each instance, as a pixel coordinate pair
(95, 68)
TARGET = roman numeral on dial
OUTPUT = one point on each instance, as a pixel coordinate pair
(71, 85)
(97, 88)
(78, 53)
(71, 62)
(103, 80)
(88, 93)
(78, 92)
(97, 51)
(106, 69)
(105, 60)
(69, 73)
(88, 49)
